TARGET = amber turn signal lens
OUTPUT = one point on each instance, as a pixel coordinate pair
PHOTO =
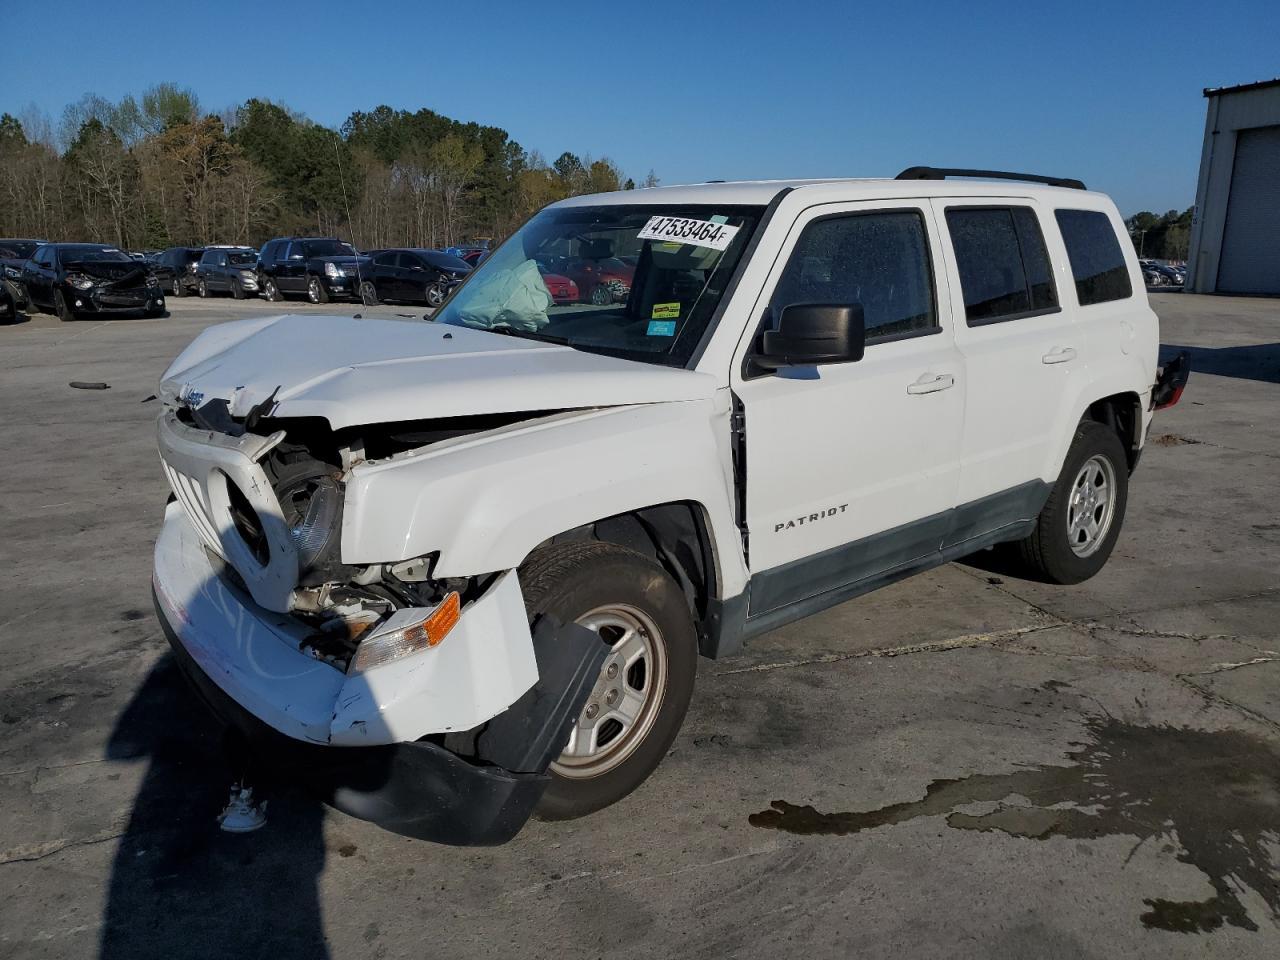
(444, 619)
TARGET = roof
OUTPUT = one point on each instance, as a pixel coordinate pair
(762, 192)
(1240, 88)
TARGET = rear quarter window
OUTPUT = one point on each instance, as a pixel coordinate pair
(1097, 260)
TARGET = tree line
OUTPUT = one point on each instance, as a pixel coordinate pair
(159, 170)
(1166, 237)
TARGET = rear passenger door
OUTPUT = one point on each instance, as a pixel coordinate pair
(1020, 346)
(851, 468)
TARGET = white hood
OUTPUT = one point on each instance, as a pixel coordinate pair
(353, 372)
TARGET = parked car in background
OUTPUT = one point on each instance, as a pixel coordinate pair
(601, 277)
(411, 274)
(8, 308)
(14, 254)
(319, 268)
(175, 268)
(232, 270)
(562, 289)
(78, 279)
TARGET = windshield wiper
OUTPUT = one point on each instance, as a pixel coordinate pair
(509, 331)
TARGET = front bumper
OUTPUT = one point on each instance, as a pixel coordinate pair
(114, 301)
(418, 790)
(358, 740)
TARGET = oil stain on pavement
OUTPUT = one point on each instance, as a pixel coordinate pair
(1216, 794)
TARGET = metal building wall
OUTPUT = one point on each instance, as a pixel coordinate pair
(1231, 111)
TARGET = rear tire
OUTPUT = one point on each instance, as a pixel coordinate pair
(636, 708)
(61, 307)
(1080, 523)
(178, 289)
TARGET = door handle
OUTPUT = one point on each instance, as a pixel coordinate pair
(1063, 355)
(931, 384)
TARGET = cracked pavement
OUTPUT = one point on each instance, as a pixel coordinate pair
(964, 764)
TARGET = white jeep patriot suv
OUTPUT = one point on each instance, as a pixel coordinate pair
(453, 573)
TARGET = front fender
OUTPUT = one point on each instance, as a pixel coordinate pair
(483, 503)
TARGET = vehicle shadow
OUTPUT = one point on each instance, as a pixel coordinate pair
(1259, 361)
(180, 887)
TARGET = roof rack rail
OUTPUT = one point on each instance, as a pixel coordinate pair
(941, 173)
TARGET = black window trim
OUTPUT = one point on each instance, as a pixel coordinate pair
(752, 373)
(1007, 317)
(1075, 282)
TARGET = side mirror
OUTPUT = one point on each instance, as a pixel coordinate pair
(813, 333)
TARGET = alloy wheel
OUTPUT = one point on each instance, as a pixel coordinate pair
(1092, 506)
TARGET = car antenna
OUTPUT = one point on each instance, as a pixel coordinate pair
(342, 181)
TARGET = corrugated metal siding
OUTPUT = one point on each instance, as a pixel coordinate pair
(1250, 258)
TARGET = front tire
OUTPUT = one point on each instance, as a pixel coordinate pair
(62, 308)
(178, 289)
(602, 296)
(237, 291)
(271, 291)
(1080, 523)
(640, 699)
(316, 292)
(368, 294)
(203, 289)
(434, 294)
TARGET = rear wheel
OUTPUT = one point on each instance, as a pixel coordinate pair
(1080, 523)
(61, 307)
(178, 289)
(642, 694)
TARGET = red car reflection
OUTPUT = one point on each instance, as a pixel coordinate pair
(562, 289)
(603, 281)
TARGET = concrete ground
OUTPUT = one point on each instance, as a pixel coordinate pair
(963, 765)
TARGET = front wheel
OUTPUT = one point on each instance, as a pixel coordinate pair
(602, 296)
(62, 308)
(1080, 523)
(435, 294)
(237, 290)
(642, 694)
(271, 291)
(178, 289)
(368, 294)
(203, 288)
(316, 292)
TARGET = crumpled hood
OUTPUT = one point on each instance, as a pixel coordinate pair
(353, 372)
(115, 271)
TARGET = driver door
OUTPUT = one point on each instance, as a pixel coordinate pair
(852, 469)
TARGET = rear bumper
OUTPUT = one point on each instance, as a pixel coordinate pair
(418, 789)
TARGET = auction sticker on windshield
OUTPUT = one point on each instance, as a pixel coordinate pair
(698, 233)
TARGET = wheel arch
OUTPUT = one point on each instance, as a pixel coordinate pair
(1122, 412)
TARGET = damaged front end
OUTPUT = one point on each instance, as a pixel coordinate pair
(424, 704)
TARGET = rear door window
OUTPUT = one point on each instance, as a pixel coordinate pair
(879, 260)
(1004, 267)
(1097, 261)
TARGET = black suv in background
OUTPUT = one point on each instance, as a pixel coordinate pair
(176, 269)
(232, 270)
(13, 256)
(74, 279)
(319, 268)
(411, 274)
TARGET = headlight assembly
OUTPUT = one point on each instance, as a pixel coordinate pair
(79, 281)
(13, 273)
(333, 270)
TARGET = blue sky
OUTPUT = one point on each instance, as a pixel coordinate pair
(1107, 92)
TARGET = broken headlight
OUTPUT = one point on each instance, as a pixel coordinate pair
(79, 281)
(312, 509)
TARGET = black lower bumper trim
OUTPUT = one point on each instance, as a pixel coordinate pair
(418, 789)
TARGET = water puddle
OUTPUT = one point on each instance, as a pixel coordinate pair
(1215, 794)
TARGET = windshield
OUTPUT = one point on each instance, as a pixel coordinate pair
(328, 248)
(641, 282)
(86, 253)
(240, 258)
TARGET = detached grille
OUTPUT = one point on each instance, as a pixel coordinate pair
(191, 495)
(248, 525)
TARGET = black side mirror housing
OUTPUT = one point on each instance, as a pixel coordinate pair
(809, 334)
